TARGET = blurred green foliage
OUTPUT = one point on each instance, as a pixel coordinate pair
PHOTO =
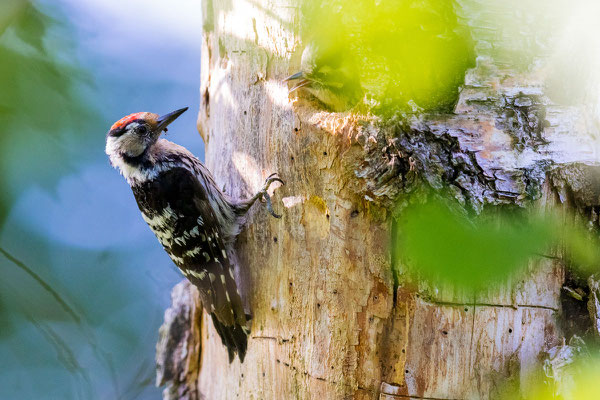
(570, 372)
(442, 244)
(41, 103)
(407, 55)
(61, 328)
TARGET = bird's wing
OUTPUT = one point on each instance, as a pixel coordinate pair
(196, 245)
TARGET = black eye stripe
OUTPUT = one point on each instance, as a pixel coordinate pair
(119, 131)
(116, 132)
(141, 128)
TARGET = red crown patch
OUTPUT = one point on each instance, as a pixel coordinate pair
(125, 120)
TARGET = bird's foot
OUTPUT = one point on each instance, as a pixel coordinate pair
(264, 194)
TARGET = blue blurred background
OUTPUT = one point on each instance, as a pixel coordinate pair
(84, 281)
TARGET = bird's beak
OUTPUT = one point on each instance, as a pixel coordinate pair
(297, 75)
(166, 119)
(303, 80)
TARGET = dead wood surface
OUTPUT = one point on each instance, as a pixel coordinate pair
(328, 320)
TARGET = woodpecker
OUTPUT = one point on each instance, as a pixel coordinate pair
(195, 222)
(328, 73)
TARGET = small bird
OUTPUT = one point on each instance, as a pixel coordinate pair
(195, 222)
(329, 73)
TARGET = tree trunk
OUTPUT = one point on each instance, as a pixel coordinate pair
(329, 321)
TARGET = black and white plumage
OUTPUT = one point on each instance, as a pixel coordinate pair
(195, 222)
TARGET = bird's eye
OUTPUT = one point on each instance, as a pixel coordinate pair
(142, 130)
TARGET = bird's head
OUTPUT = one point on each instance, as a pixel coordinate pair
(314, 69)
(329, 73)
(131, 136)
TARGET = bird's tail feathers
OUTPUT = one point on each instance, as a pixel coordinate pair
(234, 337)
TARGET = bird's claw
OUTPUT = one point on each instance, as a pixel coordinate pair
(274, 177)
(265, 195)
(267, 199)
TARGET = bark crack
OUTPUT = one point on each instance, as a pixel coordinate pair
(474, 306)
(406, 396)
(277, 339)
(481, 304)
(321, 379)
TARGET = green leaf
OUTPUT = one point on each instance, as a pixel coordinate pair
(441, 244)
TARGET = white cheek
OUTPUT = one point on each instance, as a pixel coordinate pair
(115, 146)
(111, 146)
(132, 145)
(114, 154)
(126, 143)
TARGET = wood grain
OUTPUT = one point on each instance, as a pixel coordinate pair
(328, 320)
